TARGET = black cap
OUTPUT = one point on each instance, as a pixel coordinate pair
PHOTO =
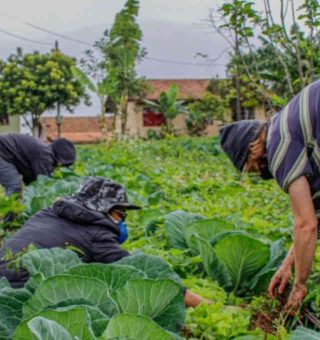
(64, 151)
(101, 194)
(235, 139)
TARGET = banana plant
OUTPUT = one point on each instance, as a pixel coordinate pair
(169, 106)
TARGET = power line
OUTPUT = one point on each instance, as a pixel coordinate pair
(43, 29)
(24, 38)
(86, 43)
(168, 61)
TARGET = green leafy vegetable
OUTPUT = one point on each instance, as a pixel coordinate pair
(242, 256)
(49, 262)
(161, 300)
(75, 320)
(206, 229)
(153, 266)
(11, 304)
(214, 268)
(113, 275)
(239, 262)
(68, 290)
(44, 329)
(175, 224)
(131, 326)
(46, 190)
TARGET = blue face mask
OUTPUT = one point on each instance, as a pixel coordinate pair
(123, 232)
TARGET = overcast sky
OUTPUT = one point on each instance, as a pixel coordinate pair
(174, 31)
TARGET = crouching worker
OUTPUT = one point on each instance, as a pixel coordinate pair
(29, 157)
(92, 220)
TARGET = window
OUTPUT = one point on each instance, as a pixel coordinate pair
(152, 118)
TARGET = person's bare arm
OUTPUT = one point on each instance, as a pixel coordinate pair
(305, 238)
(194, 300)
(289, 260)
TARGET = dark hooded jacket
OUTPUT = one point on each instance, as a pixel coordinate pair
(29, 155)
(65, 224)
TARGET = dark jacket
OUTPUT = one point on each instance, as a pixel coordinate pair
(66, 223)
(29, 155)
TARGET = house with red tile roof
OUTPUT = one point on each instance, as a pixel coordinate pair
(140, 118)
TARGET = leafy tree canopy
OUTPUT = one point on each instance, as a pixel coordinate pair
(34, 82)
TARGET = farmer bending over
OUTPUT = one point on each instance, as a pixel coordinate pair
(29, 157)
(287, 149)
(92, 220)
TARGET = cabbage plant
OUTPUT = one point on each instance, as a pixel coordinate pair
(239, 262)
(242, 264)
(44, 192)
(137, 297)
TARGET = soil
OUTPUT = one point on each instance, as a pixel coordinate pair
(187, 332)
(265, 321)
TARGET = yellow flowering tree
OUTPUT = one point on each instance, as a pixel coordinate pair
(34, 83)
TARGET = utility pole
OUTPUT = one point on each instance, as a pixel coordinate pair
(59, 118)
(238, 71)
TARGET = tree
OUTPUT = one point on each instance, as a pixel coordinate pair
(93, 75)
(34, 83)
(310, 13)
(122, 51)
(203, 112)
(169, 106)
(235, 24)
(274, 58)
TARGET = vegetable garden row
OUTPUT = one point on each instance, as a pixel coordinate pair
(202, 226)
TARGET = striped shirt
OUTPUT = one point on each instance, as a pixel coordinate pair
(293, 143)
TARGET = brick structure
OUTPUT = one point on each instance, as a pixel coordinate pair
(76, 129)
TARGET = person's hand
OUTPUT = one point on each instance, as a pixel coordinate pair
(279, 281)
(298, 293)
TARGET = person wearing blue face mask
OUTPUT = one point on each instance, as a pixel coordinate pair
(91, 220)
(119, 217)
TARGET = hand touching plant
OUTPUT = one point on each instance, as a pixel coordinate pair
(302, 252)
(280, 281)
(282, 277)
(298, 293)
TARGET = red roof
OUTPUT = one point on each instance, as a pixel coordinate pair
(188, 88)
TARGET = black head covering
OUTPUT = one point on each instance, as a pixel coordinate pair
(102, 195)
(236, 137)
(64, 151)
